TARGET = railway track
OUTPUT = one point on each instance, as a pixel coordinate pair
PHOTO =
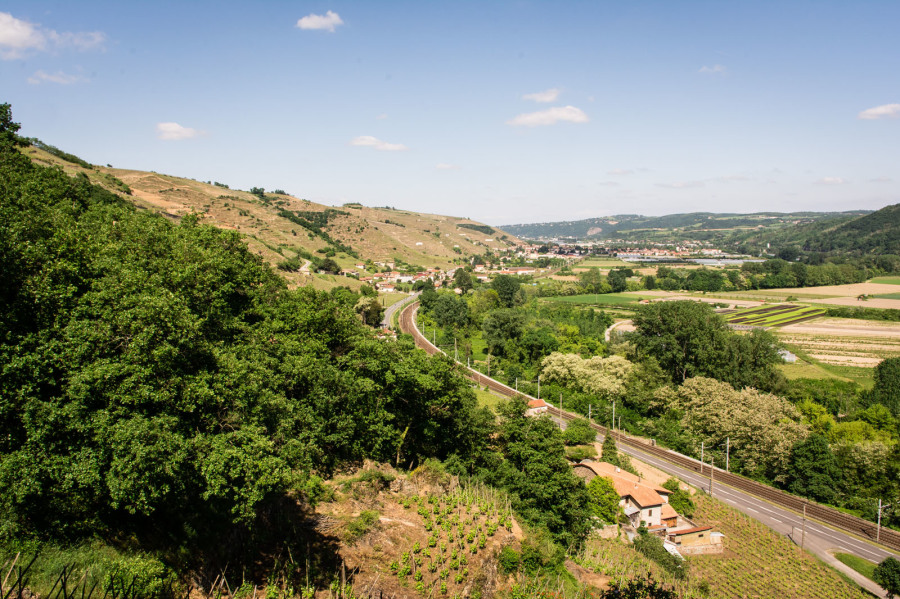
(824, 514)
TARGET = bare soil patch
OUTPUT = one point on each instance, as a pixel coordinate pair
(846, 327)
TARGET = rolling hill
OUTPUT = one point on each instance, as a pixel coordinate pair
(694, 225)
(279, 227)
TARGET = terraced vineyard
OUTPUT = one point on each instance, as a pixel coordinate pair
(778, 315)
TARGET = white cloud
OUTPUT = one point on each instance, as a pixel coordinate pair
(551, 116)
(57, 77)
(885, 111)
(373, 142)
(716, 69)
(620, 171)
(174, 132)
(608, 184)
(382, 116)
(681, 184)
(881, 180)
(728, 178)
(443, 166)
(328, 21)
(18, 37)
(546, 96)
(831, 181)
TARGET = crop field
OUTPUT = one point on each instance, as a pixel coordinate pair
(602, 263)
(894, 296)
(774, 315)
(761, 563)
(843, 343)
(757, 562)
(600, 299)
(886, 280)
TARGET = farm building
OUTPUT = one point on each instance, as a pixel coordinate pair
(536, 407)
(640, 501)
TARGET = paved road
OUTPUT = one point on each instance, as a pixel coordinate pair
(389, 311)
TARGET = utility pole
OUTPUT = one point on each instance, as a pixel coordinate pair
(539, 386)
(489, 365)
(712, 470)
(803, 534)
(589, 413)
(455, 352)
(614, 416)
(881, 506)
(517, 384)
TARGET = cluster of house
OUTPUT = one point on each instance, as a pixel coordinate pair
(387, 281)
(647, 505)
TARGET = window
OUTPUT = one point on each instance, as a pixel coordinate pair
(650, 513)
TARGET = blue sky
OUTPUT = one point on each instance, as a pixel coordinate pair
(506, 112)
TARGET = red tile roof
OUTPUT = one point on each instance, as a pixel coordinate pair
(687, 531)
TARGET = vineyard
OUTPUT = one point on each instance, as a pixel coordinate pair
(773, 315)
(761, 563)
(459, 526)
(757, 563)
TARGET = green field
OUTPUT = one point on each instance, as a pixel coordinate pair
(602, 299)
(602, 263)
(886, 280)
(486, 398)
(773, 315)
(888, 296)
(863, 566)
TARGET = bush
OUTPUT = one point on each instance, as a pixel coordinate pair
(360, 525)
(652, 547)
(509, 560)
(680, 500)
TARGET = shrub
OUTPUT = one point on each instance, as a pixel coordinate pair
(361, 525)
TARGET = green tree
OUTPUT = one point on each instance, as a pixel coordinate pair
(507, 288)
(463, 280)
(887, 574)
(501, 326)
(604, 499)
(813, 470)
(579, 432)
(450, 311)
(887, 385)
(534, 470)
(617, 280)
(680, 500)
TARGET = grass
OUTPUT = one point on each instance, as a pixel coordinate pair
(895, 296)
(487, 399)
(863, 566)
(603, 263)
(886, 280)
(603, 299)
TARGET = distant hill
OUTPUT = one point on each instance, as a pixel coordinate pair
(698, 225)
(279, 226)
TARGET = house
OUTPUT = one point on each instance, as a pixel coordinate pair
(697, 540)
(536, 407)
(641, 502)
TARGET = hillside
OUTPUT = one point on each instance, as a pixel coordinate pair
(279, 226)
(694, 225)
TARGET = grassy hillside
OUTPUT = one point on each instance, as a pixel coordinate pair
(695, 225)
(376, 234)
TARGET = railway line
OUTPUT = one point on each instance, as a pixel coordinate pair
(857, 527)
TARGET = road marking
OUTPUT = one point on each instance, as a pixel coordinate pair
(750, 509)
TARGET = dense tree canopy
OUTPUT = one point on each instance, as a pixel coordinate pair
(162, 377)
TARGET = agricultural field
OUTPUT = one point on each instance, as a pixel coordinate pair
(757, 562)
(893, 296)
(886, 280)
(601, 299)
(603, 263)
(773, 315)
(843, 342)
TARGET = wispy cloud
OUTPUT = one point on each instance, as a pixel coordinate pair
(444, 166)
(175, 132)
(18, 37)
(885, 111)
(881, 180)
(551, 116)
(545, 96)
(328, 21)
(373, 142)
(716, 69)
(831, 181)
(620, 171)
(734, 178)
(608, 184)
(382, 116)
(57, 77)
(681, 184)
